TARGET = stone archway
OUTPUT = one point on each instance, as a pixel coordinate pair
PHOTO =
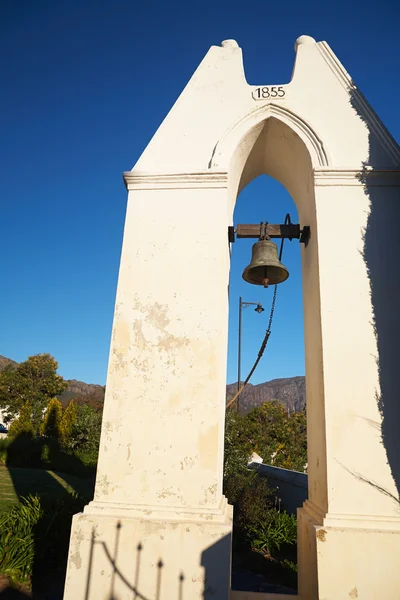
(275, 147)
(272, 147)
(159, 479)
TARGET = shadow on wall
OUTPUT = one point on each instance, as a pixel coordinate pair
(381, 254)
(214, 560)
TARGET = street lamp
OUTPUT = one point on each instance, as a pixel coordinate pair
(259, 309)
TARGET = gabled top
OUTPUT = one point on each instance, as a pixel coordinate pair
(321, 95)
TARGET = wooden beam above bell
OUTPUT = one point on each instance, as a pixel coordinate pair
(257, 230)
(290, 230)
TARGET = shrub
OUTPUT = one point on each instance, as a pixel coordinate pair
(257, 523)
(17, 544)
(52, 535)
(253, 506)
(22, 425)
(24, 451)
(84, 438)
(4, 443)
(278, 529)
(276, 436)
(34, 538)
(250, 494)
(289, 564)
(51, 426)
(67, 423)
(45, 453)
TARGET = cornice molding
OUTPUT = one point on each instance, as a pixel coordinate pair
(352, 521)
(170, 181)
(219, 179)
(221, 513)
(357, 177)
(361, 105)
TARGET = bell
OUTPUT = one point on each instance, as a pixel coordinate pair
(265, 267)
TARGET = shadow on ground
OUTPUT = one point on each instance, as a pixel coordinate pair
(27, 461)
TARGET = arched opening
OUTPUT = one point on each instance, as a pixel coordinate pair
(284, 148)
(265, 199)
(254, 414)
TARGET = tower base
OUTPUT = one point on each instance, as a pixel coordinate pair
(348, 556)
(123, 552)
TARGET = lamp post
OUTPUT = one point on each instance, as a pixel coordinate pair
(259, 309)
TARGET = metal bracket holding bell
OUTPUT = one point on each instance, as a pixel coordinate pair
(286, 231)
(266, 267)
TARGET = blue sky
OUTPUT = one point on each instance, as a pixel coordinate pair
(84, 86)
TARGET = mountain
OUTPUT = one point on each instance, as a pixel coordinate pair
(83, 393)
(290, 391)
(4, 362)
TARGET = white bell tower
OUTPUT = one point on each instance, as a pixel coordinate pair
(159, 527)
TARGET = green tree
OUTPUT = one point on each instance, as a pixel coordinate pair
(280, 439)
(22, 425)
(250, 494)
(51, 426)
(35, 381)
(85, 433)
(67, 423)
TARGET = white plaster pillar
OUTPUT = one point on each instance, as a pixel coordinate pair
(161, 451)
(342, 526)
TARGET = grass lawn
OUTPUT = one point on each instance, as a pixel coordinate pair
(17, 482)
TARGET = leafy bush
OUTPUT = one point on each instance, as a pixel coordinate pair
(4, 443)
(51, 425)
(280, 439)
(257, 524)
(278, 529)
(67, 423)
(70, 440)
(34, 538)
(289, 564)
(45, 453)
(24, 451)
(52, 536)
(17, 544)
(237, 447)
(249, 493)
(22, 425)
(84, 438)
(253, 506)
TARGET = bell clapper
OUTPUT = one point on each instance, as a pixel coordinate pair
(265, 281)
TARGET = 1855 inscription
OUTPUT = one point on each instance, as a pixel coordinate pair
(268, 91)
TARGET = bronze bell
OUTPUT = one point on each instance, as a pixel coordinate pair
(265, 267)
